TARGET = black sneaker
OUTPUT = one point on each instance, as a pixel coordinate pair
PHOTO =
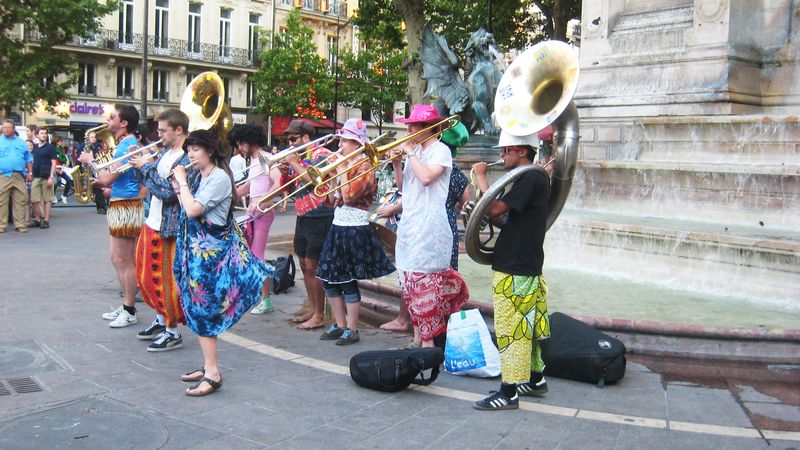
(332, 334)
(34, 223)
(532, 389)
(348, 337)
(496, 402)
(164, 342)
(45, 224)
(151, 332)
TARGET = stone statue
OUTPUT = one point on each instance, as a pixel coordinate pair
(473, 99)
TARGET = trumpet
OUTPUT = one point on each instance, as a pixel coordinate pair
(109, 165)
(316, 177)
(268, 160)
(320, 176)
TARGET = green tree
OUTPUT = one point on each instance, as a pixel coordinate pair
(372, 80)
(48, 23)
(293, 80)
(556, 14)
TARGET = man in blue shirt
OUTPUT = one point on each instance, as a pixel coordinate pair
(45, 160)
(125, 213)
(15, 167)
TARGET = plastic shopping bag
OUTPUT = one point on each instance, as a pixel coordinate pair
(469, 349)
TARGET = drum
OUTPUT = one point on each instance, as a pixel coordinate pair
(386, 227)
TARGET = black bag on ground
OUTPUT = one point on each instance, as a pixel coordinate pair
(284, 273)
(395, 370)
(576, 351)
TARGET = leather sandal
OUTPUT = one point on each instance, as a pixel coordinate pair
(187, 378)
(214, 386)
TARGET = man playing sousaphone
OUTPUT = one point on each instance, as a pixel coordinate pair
(431, 289)
(519, 289)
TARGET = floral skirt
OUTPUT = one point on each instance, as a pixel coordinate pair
(431, 298)
(352, 253)
(218, 276)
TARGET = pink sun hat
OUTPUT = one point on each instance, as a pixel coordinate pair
(422, 114)
(354, 129)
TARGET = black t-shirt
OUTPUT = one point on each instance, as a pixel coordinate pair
(519, 247)
(43, 156)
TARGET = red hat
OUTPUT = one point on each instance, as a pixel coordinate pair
(422, 114)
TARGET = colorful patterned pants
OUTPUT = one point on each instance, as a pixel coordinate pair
(431, 298)
(520, 319)
(154, 256)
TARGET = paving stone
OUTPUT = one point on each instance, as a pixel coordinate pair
(227, 442)
(786, 413)
(691, 441)
(326, 437)
(704, 405)
(598, 435)
(749, 394)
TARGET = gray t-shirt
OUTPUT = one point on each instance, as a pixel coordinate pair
(214, 193)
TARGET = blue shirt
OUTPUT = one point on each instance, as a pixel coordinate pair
(14, 156)
(125, 185)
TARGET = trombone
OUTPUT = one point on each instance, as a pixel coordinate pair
(320, 175)
(308, 172)
(268, 160)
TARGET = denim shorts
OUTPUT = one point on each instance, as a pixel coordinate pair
(347, 290)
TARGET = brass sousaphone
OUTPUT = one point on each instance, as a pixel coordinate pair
(535, 91)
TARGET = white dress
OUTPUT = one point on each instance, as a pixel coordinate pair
(424, 239)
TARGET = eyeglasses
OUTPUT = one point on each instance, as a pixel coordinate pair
(506, 150)
(292, 139)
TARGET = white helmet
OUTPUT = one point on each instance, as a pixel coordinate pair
(507, 140)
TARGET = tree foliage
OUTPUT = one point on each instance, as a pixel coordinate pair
(372, 80)
(513, 25)
(293, 80)
(49, 23)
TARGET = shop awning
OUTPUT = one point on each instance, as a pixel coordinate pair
(279, 124)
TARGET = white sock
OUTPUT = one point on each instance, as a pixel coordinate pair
(160, 319)
(173, 331)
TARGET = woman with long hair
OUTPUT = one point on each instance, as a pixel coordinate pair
(217, 275)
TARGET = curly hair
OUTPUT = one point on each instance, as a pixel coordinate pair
(248, 133)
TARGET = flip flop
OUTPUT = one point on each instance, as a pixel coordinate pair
(187, 379)
(214, 386)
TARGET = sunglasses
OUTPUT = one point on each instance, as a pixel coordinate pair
(292, 139)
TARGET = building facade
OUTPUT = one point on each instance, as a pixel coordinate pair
(184, 38)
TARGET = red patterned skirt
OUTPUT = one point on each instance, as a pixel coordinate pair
(431, 298)
(154, 256)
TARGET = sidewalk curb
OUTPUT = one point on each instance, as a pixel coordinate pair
(770, 345)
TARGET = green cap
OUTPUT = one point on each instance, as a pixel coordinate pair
(456, 136)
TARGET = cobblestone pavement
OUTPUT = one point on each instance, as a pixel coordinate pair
(285, 388)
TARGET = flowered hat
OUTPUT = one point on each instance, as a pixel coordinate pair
(422, 114)
(354, 129)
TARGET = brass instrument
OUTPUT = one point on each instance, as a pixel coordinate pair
(320, 175)
(82, 174)
(315, 173)
(535, 91)
(202, 101)
(466, 210)
(268, 160)
(185, 166)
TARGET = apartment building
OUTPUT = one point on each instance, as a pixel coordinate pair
(184, 39)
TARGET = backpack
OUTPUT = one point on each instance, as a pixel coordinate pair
(283, 278)
(395, 370)
(576, 351)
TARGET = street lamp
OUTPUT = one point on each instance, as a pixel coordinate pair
(336, 69)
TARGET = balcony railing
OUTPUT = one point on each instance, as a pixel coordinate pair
(85, 89)
(172, 48)
(125, 93)
(161, 96)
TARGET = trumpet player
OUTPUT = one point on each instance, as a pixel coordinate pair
(520, 290)
(251, 140)
(431, 289)
(125, 213)
(314, 219)
(155, 249)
